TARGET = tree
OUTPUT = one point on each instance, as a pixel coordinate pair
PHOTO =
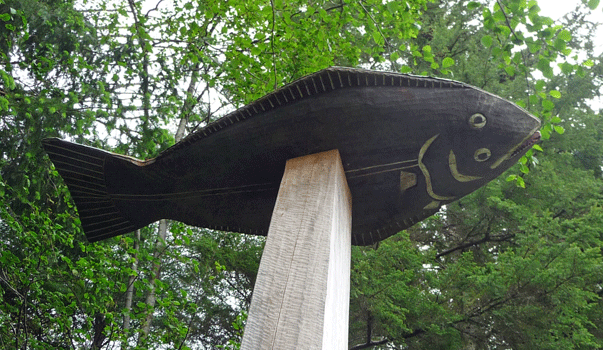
(505, 267)
(134, 77)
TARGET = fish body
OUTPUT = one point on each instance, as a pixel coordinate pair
(408, 145)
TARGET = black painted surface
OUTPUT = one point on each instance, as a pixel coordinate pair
(226, 176)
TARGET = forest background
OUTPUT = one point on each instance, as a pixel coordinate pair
(515, 265)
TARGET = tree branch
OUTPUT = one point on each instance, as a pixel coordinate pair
(487, 238)
(130, 289)
(369, 344)
(502, 9)
(272, 45)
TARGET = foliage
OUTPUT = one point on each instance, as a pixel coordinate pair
(506, 267)
(134, 77)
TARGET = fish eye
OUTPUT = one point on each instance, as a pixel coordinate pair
(482, 155)
(477, 121)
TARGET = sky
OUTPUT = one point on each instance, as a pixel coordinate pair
(557, 8)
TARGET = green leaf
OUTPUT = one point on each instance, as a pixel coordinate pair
(534, 47)
(566, 68)
(540, 84)
(473, 5)
(593, 4)
(489, 22)
(538, 148)
(447, 62)
(510, 70)
(487, 40)
(545, 131)
(520, 182)
(555, 93)
(255, 51)
(499, 16)
(3, 104)
(559, 45)
(547, 105)
(378, 38)
(588, 63)
(544, 65)
(565, 35)
(559, 129)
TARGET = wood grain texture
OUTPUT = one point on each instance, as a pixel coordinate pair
(301, 296)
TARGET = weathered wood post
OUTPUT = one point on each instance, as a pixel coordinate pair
(301, 296)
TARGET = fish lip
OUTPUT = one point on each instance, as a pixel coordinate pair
(530, 140)
(536, 137)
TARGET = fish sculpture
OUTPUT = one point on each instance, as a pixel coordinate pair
(408, 144)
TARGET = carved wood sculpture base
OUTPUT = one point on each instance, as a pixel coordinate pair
(301, 296)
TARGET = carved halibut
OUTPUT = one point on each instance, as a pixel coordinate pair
(408, 145)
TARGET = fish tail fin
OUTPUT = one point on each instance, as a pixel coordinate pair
(84, 170)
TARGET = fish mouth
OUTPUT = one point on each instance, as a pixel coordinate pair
(529, 141)
(527, 144)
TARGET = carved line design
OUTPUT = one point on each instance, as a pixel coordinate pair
(455, 172)
(426, 172)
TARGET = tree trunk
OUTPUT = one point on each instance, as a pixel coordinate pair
(130, 290)
(152, 297)
(160, 245)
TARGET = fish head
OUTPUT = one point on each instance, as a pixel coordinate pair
(482, 136)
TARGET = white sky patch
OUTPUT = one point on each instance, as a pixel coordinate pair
(556, 9)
